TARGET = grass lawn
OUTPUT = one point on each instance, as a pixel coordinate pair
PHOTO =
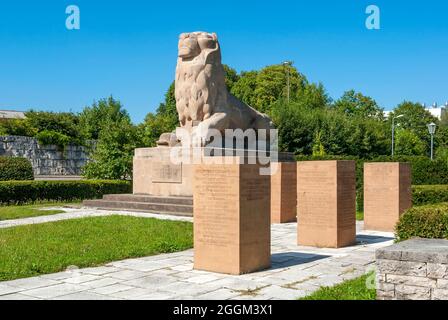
(27, 211)
(355, 289)
(31, 250)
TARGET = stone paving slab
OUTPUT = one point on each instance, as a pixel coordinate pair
(296, 271)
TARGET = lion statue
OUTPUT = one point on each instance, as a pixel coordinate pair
(202, 99)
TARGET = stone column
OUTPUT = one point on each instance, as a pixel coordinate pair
(326, 203)
(284, 193)
(387, 194)
(231, 218)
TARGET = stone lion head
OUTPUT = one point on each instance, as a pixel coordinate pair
(194, 44)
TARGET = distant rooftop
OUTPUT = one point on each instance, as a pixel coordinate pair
(10, 114)
(436, 110)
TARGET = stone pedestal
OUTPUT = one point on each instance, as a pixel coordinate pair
(284, 193)
(326, 207)
(168, 171)
(156, 173)
(387, 194)
(231, 218)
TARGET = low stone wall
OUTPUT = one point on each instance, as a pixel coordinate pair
(46, 160)
(415, 269)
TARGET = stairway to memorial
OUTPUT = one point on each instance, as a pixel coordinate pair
(180, 206)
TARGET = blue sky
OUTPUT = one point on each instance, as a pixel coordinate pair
(128, 48)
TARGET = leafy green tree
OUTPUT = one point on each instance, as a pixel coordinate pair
(318, 147)
(112, 156)
(296, 126)
(94, 119)
(261, 89)
(17, 127)
(231, 76)
(335, 130)
(356, 104)
(407, 143)
(116, 138)
(416, 119)
(63, 122)
(244, 88)
(368, 137)
(55, 126)
(272, 85)
(313, 96)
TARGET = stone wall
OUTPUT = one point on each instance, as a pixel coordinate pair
(46, 160)
(415, 269)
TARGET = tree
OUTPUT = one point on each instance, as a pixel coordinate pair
(244, 88)
(17, 127)
(261, 89)
(313, 96)
(356, 104)
(117, 137)
(231, 77)
(94, 119)
(296, 125)
(368, 137)
(318, 147)
(271, 85)
(416, 119)
(54, 126)
(407, 143)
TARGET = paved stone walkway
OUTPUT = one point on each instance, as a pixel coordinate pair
(296, 271)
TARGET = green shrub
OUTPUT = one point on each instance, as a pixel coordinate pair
(15, 169)
(22, 192)
(422, 195)
(48, 137)
(430, 221)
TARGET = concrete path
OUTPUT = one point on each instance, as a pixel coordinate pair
(296, 271)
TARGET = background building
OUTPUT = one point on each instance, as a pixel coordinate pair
(436, 110)
(9, 114)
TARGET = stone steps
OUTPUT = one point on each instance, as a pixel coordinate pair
(148, 198)
(180, 206)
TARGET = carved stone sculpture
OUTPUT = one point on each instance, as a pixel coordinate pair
(202, 99)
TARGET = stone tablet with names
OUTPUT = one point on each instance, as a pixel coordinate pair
(231, 218)
(326, 203)
(387, 194)
(166, 173)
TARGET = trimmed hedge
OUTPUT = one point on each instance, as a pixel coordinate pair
(15, 169)
(423, 195)
(22, 192)
(430, 221)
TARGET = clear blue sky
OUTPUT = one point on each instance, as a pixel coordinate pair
(128, 48)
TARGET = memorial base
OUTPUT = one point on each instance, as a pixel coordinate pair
(387, 194)
(326, 203)
(284, 193)
(232, 232)
(168, 171)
